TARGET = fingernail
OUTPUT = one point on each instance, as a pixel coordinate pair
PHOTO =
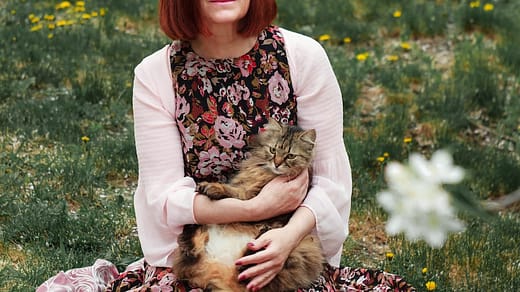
(241, 277)
(250, 244)
(238, 263)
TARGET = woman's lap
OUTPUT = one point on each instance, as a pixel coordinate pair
(140, 276)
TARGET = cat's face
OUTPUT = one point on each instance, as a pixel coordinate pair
(285, 150)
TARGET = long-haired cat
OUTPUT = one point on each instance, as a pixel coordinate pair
(207, 253)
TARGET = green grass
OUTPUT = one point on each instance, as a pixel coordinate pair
(443, 73)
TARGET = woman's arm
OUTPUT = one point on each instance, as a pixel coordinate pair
(280, 196)
(164, 197)
(320, 107)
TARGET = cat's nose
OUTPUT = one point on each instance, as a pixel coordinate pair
(277, 161)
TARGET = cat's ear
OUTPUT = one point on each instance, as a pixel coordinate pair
(309, 136)
(273, 124)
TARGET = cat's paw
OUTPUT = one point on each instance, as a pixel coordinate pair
(214, 191)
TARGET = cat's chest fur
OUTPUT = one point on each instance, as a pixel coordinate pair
(225, 246)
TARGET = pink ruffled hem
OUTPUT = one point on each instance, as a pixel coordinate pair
(93, 278)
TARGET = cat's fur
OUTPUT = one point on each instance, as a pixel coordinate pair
(206, 253)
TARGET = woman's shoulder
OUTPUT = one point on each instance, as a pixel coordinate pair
(300, 41)
(303, 50)
(153, 74)
(154, 61)
(304, 53)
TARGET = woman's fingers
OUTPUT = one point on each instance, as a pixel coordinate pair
(260, 274)
(260, 281)
(272, 250)
(263, 251)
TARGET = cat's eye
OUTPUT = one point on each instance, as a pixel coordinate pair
(291, 156)
(272, 150)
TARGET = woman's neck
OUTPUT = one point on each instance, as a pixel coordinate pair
(222, 44)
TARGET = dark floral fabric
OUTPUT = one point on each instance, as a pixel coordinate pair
(146, 278)
(220, 103)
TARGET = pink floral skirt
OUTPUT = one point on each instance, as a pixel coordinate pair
(139, 276)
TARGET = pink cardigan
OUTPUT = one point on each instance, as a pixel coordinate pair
(164, 196)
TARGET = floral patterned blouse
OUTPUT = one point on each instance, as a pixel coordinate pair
(220, 103)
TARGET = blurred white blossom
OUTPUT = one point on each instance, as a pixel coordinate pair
(416, 201)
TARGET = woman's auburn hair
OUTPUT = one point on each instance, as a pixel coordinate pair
(181, 20)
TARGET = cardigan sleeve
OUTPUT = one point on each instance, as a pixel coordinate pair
(164, 197)
(319, 105)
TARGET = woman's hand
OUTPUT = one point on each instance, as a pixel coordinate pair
(280, 196)
(273, 248)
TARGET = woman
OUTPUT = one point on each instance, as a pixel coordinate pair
(196, 102)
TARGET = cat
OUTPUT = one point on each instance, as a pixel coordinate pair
(207, 253)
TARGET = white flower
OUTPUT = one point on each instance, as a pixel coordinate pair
(438, 170)
(417, 204)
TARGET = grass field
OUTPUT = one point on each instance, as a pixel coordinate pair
(416, 76)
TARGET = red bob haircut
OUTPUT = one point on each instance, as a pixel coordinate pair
(180, 19)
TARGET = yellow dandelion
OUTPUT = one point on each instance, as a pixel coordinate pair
(85, 16)
(34, 19)
(424, 270)
(324, 37)
(347, 40)
(406, 46)
(380, 159)
(362, 56)
(94, 14)
(80, 3)
(407, 140)
(102, 11)
(37, 27)
(61, 22)
(49, 17)
(474, 4)
(63, 5)
(397, 13)
(386, 155)
(85, 139)
(51, 26)
(392, 58)
(430, 285)
(50, 35)
(31, 16)
(70, 22)
(128, 84)
(79, 9)
(389, 255)
(488, 7)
